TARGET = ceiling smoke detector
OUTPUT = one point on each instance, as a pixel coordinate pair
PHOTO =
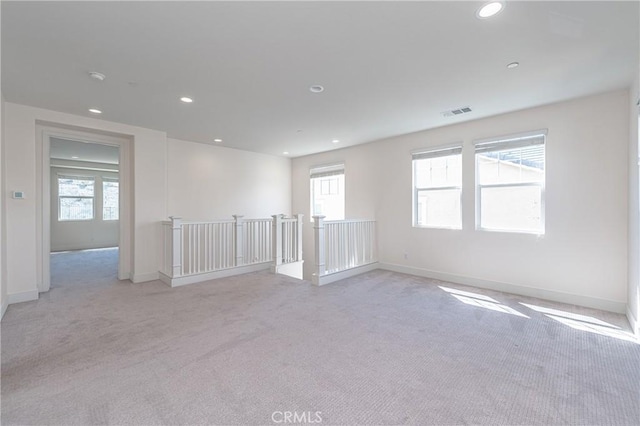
(457, 111)
(316, 88)
(97, 75)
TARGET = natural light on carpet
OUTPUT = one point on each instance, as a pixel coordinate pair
(584, 323)
(481, 301)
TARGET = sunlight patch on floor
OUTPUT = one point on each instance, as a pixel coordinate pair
(481, 301)
(584, 323)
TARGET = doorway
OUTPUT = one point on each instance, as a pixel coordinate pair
(84, 194)
(84, 199)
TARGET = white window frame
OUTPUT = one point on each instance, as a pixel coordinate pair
(520, 140)
(327, 170)
(93, 197)
(443, 151)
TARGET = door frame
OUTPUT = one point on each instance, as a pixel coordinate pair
(44, 133)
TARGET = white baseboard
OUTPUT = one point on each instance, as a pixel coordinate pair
(633, 321)
(25, 296)
(5, 305)
(293, 269)
(141, 278)
(337, 276)
(192, 279)
(556, 296)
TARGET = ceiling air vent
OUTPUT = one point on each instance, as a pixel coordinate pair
(456, 111)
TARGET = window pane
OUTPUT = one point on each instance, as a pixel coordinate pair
(109, 200)
(327, 197)
(516, 208)
(75, 208)
(511, 166)
(75, 186)
(438, 172)
(439, 208)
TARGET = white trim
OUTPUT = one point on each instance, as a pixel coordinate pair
(44, 132)
(633, 321)
(142, 278)
(25, 296)
(291, 269)
(341, 275)
(223, 273)
(556, 296)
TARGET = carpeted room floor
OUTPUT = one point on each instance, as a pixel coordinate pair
(380, 348)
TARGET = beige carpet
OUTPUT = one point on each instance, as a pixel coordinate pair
(380, 348)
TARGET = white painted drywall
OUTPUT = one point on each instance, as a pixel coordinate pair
(215, 182)
(82, 234)
(3, 233)
(583, 255)
(149, 192)
(3, 195)
(633, 311)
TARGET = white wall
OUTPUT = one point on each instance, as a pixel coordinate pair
(83, 234)
(633, 311)
(3, 280)
(192, 180)
(3, 228)
(581, 259)
(149, 193)
(214, 182)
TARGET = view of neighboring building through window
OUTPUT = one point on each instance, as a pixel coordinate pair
(510, 181)
(327, 192)
(110, 191)
(437, 188)
(75, 198)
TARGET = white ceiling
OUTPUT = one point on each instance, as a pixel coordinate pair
(63, 149)
(388, 68)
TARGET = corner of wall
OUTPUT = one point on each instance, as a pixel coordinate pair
(633, 296)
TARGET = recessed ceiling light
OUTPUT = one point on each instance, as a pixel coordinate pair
(513, 65)
(97, 75)
(95, 111)
(316, 88)
(285, 152)
(336, 141)
(490, 9)
(217, 140)
(186, 100)
(74, 157)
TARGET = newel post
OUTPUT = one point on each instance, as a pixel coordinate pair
(299, 235)
(239, 239)
(176, 246)
(277, 239)
(318, 233)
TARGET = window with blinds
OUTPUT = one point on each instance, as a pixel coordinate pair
(327, 191)
(437, 188)
(510, 179)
